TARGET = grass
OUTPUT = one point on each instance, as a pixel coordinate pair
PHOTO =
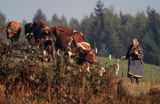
(151, 73)
(149, 81)
(31, 82)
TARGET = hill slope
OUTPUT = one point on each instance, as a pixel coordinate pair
(151, 72)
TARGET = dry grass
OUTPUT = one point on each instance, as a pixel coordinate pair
(31, 82)
(143, 87)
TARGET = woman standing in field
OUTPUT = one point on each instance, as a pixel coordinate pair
(135, 61)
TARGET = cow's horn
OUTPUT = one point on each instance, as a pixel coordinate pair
(75, 31)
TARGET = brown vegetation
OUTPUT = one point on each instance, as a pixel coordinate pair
(31, 82)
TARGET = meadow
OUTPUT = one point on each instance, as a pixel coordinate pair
(33, 82)
(151, 73)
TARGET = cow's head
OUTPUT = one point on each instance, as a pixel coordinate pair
(46, 31)
(86, 52)
(13, 29)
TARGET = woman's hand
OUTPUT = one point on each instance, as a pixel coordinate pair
(136, 52)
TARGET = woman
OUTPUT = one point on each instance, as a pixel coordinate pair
(135, 61)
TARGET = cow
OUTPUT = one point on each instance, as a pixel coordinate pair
(33, 31)
(73, 42)
(13, 30)
(47, 39)
(86, 55)
(66, 36)
(28, 30)
(63, 37)
(49, 48)
(39, 33)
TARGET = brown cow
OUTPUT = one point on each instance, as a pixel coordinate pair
(39, 33)
(13, 30)
(66, 36)
(86, 55)
(63, 37)
(33, 31)
(28, 28)
(46, 38)
(69, 40)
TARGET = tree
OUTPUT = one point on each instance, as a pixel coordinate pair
(63, 21)
(54, 21)
(85, 27)
(39, 15)
(97, 25)
(152, 37)
(22, 35)
(74, 23)
(154, 25)
(111, 36)
(2, 20)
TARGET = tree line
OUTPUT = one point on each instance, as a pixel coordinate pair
(111, 32)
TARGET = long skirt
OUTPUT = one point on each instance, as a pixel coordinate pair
(135, 68)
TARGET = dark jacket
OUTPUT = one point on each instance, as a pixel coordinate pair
(131, 56)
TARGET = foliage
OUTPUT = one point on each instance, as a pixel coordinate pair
(39, 15)
(56, 21)
(2, 20)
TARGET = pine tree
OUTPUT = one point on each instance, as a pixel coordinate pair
(2, 20)
(97, 25)
(74, 23)
(63, 21)
(39, 15)
(54, 21)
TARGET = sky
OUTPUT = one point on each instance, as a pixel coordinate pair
(25, 9)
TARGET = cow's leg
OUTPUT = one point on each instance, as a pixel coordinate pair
(45, 55)
(102, 70)
(86, 66)
(70, 56)
(53, 55)
(12, 41)
(52, 52)
(50, 56)
(58, 52)
(117, 69)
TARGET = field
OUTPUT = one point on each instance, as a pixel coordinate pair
(34, 82)
(150, 78)
(151, 72)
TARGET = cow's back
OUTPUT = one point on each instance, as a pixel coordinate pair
(63, 37)
(78, 37)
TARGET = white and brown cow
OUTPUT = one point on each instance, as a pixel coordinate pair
(73, 42)
(86, 55)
